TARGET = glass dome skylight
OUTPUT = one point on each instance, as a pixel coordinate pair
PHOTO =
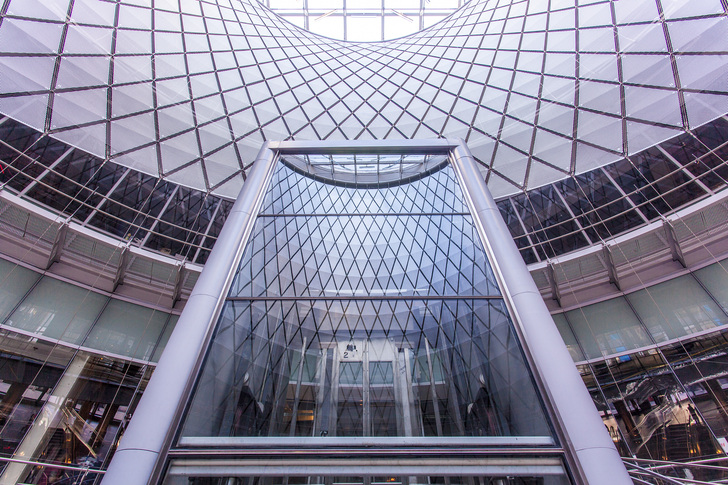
(363, 20)
(366, 170)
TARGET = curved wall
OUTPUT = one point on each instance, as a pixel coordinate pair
(655, 363)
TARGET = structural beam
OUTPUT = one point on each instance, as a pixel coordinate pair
(551, 275)
(611, 268)
(590, 450)
(58, 243)
(149, 432)
(673, 243)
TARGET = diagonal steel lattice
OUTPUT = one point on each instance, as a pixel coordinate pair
(188, 89)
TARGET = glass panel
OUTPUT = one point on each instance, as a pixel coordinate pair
(470, 378)
(655, 416)
(654, 183)
(607, 328)
(79, 419)
(702, 367)
(133, 204)
(58, 310)
(598, 205)
(364, 255)
(676, 308)
(563, 325)
(127, 329)
(715, 279)
(77, 184)
(15, 281)
(544, 214)
(29, 370)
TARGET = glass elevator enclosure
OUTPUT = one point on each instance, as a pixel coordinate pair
(362, 335)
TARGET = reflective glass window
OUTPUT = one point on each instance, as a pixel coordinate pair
(676, 308)
(363, 311)
(715, 280)
(656, 418)
(701, 366)
(15, 281)
(127, 329)
(78, 420)
(607, 328)
(58, 310)
(29, 370)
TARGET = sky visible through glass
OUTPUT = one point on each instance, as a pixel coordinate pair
(364, 20)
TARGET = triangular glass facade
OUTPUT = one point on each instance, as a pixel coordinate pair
(364, 315)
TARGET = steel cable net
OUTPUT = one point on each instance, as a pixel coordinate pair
(188, 90)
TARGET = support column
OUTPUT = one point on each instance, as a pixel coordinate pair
(149, 431)
(587, 440)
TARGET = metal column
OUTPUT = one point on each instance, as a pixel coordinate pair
(593, 452)
(149, 431)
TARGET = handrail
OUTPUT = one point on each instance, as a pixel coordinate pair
(649, 468)
(53, 465)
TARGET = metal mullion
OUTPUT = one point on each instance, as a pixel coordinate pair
(170, 198)
(620, 77)
(106, 197)
(684, 170)
(110, 81)
(365, 298)
(532, 246)
(571, 213)
(624, 195)
(207, 230)
(343, 13)
(306, 14)
(56, 68)
(195, 123)
(49, 169)
(422, 15)
(575, 120)
(673, 63)
(539, 95)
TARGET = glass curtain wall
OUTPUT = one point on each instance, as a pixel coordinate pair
(363, 312)
(656, 364)
(73, 363)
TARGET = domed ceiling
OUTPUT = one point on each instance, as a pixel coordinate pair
(188, 90)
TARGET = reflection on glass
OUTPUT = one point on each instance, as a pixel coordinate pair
(29, 370)
(58, 310)
(15, 281)
(365, 368)
(74, 421)
(677, 308)
(607, 328)
(648, 411)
